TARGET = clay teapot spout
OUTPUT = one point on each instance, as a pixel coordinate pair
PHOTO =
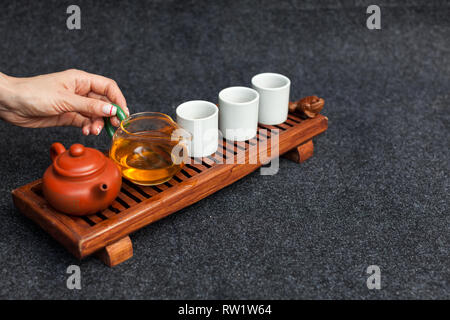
(103, 187)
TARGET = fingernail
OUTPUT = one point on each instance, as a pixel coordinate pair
(109, 110)
(98, 131)
(115, 122)
(86, 131)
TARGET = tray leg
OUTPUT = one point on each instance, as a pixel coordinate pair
(301, 153)
(117, 252)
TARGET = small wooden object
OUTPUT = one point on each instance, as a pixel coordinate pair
(307, 107)
(106, 233)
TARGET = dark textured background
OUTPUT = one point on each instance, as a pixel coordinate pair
(375, 192)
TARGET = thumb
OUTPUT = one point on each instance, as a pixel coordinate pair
(92, 107)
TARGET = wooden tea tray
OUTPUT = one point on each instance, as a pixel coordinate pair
(106, 233)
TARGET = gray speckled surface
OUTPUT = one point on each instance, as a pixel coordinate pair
(375, 192)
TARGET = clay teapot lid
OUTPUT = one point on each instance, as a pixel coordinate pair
(78, 161)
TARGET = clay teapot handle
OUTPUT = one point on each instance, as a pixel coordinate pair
(56, 149)
(108, 126)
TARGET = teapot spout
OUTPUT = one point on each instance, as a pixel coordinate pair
(103, 187)
(56, 149)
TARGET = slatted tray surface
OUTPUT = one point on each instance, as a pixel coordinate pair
(137, 206)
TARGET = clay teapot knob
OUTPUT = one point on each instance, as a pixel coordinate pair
(76, 150)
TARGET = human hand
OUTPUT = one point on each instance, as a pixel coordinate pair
(67, 98)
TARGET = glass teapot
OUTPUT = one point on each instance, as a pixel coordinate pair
(148, 147)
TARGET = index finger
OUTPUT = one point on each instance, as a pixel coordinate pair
(107, 87)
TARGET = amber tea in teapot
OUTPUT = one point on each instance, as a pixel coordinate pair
(145, 150)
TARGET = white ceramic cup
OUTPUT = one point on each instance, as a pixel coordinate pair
(200, 119)
(273, 89)
(238, 113)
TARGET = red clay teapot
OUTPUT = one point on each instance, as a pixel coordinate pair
(81, 180)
